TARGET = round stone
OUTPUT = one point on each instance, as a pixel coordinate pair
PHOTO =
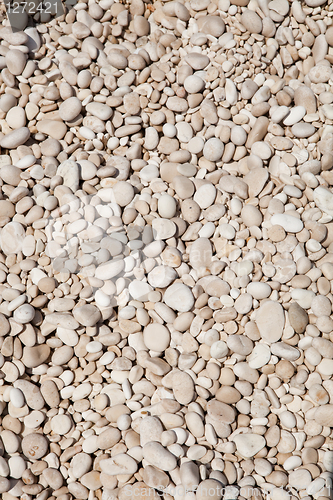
(123, 193)
(156, 337)
(213, 149)
(24, 314)
(70, 109)
(167, 206)
(61, 424)
(179, 297)
(34, 446)
(87, 315)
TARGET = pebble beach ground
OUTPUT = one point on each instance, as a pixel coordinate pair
(166, 251)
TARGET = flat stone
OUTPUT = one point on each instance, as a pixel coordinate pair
(270, 321)
(87, 315)
(323, 199)
(159, 457)
(35, 356)
(34, 446)
(183, 387)
(156, 337)
(69, 171)
(119, 464)
(298, 318)
(248, 444)
(179, 297)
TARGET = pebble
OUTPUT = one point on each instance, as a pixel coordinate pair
(119, 464)
(34, 446)
(270, 321)
(249, 444)
(179, 297)
(156, 337)
(15, 138)
(159, 457)
(289, 223)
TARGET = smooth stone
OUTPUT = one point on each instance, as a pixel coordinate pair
(193, 84)
(211, 25)
(304, 96)
(31, 393)
(285, 351)
(201, 253)
(210, 489)
(218, 349)
(243, 304)
(213, 149)
(35, 356)
(251, 216)
(108, 438)
(156, 337)
(69, 171)
(16, 117)
(17, 398)
(53, 128)
(251, 21)
(87, 315)
(100, 110)
(119, 464)
(34, 446)
(179, 297)
(81, 464)
(61, 424)
(24, 314)
(197, 61)
(243, 371)
(16, 61)
(259, 290)
(158, 456)
(163, 229)
(302, 130)
(167, 206)
(314, 3)
(296, 114)
(183, 388)
(205, 195)
(270, 321)
(11, 238)
(53, 477)
(323, 199)
(248, 444)
(298, 318)
(151, 429)
(139, 290)
(260, 356)
(15, 138)
(289, 223)
(50, 393)
(110, 269)
(300, 479)
(161, 276)
(221, 411)
(70, 109)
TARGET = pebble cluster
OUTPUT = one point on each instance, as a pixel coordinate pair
(166, 237)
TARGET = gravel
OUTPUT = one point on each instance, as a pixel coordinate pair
(166, 219)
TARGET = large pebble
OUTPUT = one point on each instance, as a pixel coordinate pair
(183, 387)
(34, 446)
(179, 297)
(159, 456)
(270, 321)
(119, 464)
(248, 444)
(15, 138)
